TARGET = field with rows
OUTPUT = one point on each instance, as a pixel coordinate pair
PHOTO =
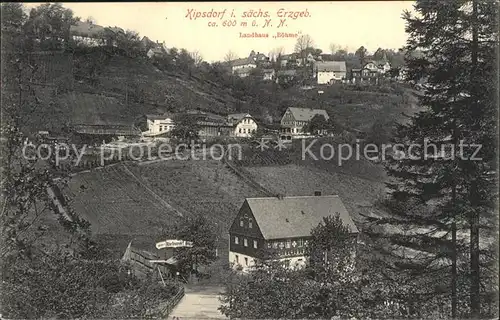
(206, 187)
(115, 203)
(358, 194)
(295, 153)
(131, 202)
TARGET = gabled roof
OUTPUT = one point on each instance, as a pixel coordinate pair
(86, 29)
(288, 56)
(119, 130)
(296, 216)
(241, 62)
(157, 50)
(145, 41)
(116, 29)
(329, 66)
(159, 116)
(306, 114)
(260, 57)
(238, 116)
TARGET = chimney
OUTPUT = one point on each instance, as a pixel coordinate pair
(317, 193)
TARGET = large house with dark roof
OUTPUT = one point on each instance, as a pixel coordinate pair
(294, 119)
(370, 72)
(281, 225)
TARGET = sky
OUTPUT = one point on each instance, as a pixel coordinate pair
(350, 24)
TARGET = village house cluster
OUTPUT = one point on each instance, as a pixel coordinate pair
(321, 70)
(241, 125)
(89, 34)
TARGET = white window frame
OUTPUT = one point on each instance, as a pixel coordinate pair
(245, 242)
(255, 244)
(236, 240)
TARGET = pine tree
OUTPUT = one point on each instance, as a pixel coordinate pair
(437, 189)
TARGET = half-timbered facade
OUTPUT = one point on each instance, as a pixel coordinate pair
(281, 225)
(295, 119)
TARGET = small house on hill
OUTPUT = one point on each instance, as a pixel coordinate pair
(159, 124)
(243, 72)
(282, 225)
(242, 67)
(92, 35)
(370, 72)
(330, 71)
(295, 119)
(244, 125)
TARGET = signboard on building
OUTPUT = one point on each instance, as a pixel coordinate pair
(173, 244)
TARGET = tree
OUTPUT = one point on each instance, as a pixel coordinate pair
(331, 247)
(361, 54)
(380, 132)
(319, 124)
(379, 54)
(446, 192)
(197, 57)
(276, 52)
(340, 54)
(303, 42)
(229, 56)
(13, 19)
(130, 43)
(49, 23)
(334, 48)
(91, 20)
(202, 233)
(184, 61)
(186, 128)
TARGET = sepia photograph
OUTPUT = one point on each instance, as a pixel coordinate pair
(249, 160)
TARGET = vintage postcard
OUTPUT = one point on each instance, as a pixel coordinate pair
(249, 160)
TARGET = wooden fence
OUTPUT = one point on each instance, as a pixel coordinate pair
(173, 302)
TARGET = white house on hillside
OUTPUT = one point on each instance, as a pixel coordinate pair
(245, 63)
(244, 124)
(158, 124)
(329, 71)
(92, 35)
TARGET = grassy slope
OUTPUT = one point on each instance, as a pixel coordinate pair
(122, 209)
(293, 180)
(111, 99)
(121, 80)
